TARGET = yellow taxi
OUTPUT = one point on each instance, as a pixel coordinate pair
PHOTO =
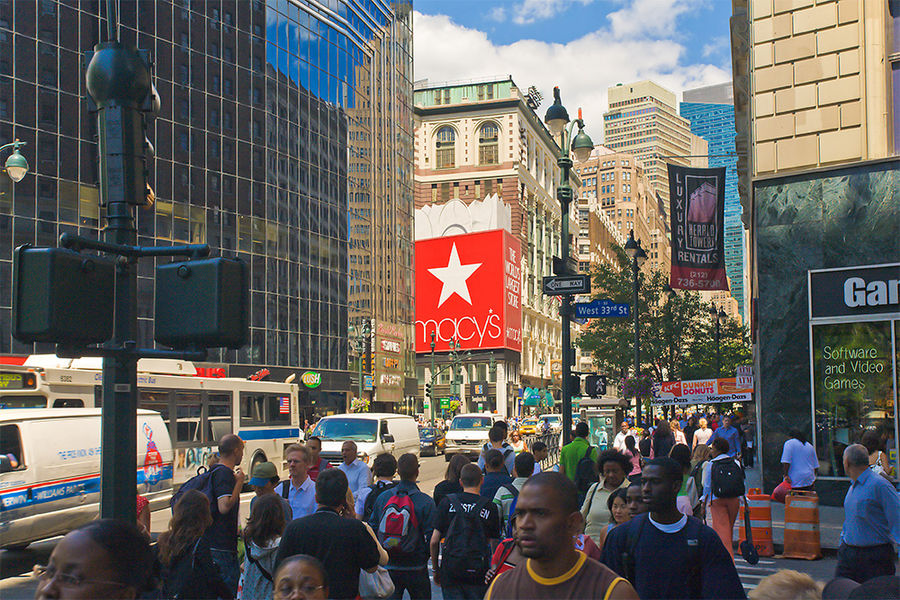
(528, 427)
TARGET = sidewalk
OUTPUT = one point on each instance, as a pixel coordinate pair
(831, 518)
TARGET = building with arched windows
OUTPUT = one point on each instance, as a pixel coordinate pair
(480, 139)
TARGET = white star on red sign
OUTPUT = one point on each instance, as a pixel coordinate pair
(453, 277)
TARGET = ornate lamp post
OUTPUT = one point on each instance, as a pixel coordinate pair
(360, 337)
(638, 256)
(557, 120)
(719, 317)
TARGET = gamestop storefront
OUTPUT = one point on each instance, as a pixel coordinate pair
(854, 340)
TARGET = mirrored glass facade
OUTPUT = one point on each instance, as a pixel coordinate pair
(284, 138)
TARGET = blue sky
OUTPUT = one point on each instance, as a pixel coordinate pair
(584, 46)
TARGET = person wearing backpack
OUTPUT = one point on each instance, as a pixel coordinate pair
(723, 486)
(261, 538)
(666, 554)
(299, 489)
(497, 441)
(495, 475)
(574, 451)
(470, 527)
(226, 481)
(506, 496)
(613, 465)
(403, 518)
(384, 467)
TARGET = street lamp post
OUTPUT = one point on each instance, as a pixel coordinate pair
(557, 120)
(638, 256)
(431, 387)
(670, 298)
(360, 342)
(16, 165)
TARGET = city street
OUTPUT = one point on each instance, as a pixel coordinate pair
(15, 567)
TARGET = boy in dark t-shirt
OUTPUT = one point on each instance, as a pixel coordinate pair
(666, 554)
(468, 500)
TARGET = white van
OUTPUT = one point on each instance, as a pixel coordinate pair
(374, 434)
(554, 420)
(468, 434)
(50, 469)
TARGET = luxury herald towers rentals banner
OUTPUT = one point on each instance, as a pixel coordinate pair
(698, 228)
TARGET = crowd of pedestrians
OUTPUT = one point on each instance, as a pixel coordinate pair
(640, 527)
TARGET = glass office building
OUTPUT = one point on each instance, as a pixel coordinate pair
(711, 113)
(272, 112)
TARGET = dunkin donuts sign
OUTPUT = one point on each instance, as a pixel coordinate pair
(469, 287)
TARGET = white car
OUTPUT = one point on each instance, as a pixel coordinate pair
(468, 434)
(554, 420)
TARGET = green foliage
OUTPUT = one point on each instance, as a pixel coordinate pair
(677, 335)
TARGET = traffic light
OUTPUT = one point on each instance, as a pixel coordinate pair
(428, 389)
(574, 385)
(595, 385)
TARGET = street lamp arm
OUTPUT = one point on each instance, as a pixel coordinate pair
(14, 145)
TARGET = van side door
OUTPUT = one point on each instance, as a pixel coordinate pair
(388, 437)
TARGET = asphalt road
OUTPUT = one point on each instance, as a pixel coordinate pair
(15, 567)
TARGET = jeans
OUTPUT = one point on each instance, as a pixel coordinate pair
(464, 591)
(415, 581)
(229, 568)
(862, 563)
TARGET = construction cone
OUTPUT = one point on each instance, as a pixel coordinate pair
(760, 506)
(801, 526)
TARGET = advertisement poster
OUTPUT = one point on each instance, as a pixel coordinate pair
(698, 228)
(704, 391)
(468, 289)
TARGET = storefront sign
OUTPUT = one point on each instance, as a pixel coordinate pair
(852, 291)
(703, 391)
(311, 379)
(468, 288)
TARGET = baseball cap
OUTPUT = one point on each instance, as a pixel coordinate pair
(263, 473)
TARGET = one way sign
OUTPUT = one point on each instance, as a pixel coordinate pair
(567, 285)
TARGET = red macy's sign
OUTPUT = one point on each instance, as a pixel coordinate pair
(469, 287)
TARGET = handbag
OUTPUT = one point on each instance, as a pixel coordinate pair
(375, 585)
(781, 491)
(748, 550)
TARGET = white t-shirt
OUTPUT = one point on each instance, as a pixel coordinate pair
(701, 436)
(802, 460)
(619, 441)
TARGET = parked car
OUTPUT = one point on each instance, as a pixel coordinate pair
(431, 441)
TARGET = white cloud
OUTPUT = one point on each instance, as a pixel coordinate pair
(498, 13)
(716, 45)
(649, 18)
(583, 68)
(529, 11)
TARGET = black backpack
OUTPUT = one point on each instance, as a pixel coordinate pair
(201, 482)
(585, 473)
(377, 488)
(465, 555)
(505, 451)
(726, 478)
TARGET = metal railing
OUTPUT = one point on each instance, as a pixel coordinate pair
(553, 441)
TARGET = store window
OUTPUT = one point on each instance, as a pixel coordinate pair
(855, 362)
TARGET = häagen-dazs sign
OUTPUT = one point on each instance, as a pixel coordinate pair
(852, 291)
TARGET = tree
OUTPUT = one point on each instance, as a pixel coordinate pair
(677, 337)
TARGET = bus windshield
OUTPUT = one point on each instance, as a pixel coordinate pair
(358, 430)
(471, 423)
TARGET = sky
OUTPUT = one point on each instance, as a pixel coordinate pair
(582, 46)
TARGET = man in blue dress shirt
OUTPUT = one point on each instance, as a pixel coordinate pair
(300, 489)
(358, 474)
(728, 432)
(871, 521)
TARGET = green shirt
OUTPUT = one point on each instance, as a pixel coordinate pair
(571, 453)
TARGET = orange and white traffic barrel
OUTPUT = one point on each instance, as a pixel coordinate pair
(801, 526)
(760, 506)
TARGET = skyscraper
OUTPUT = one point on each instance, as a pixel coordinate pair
(643, 120)
(710, 111)
(262, 103)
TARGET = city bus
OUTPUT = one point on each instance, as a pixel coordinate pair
(197, 410)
